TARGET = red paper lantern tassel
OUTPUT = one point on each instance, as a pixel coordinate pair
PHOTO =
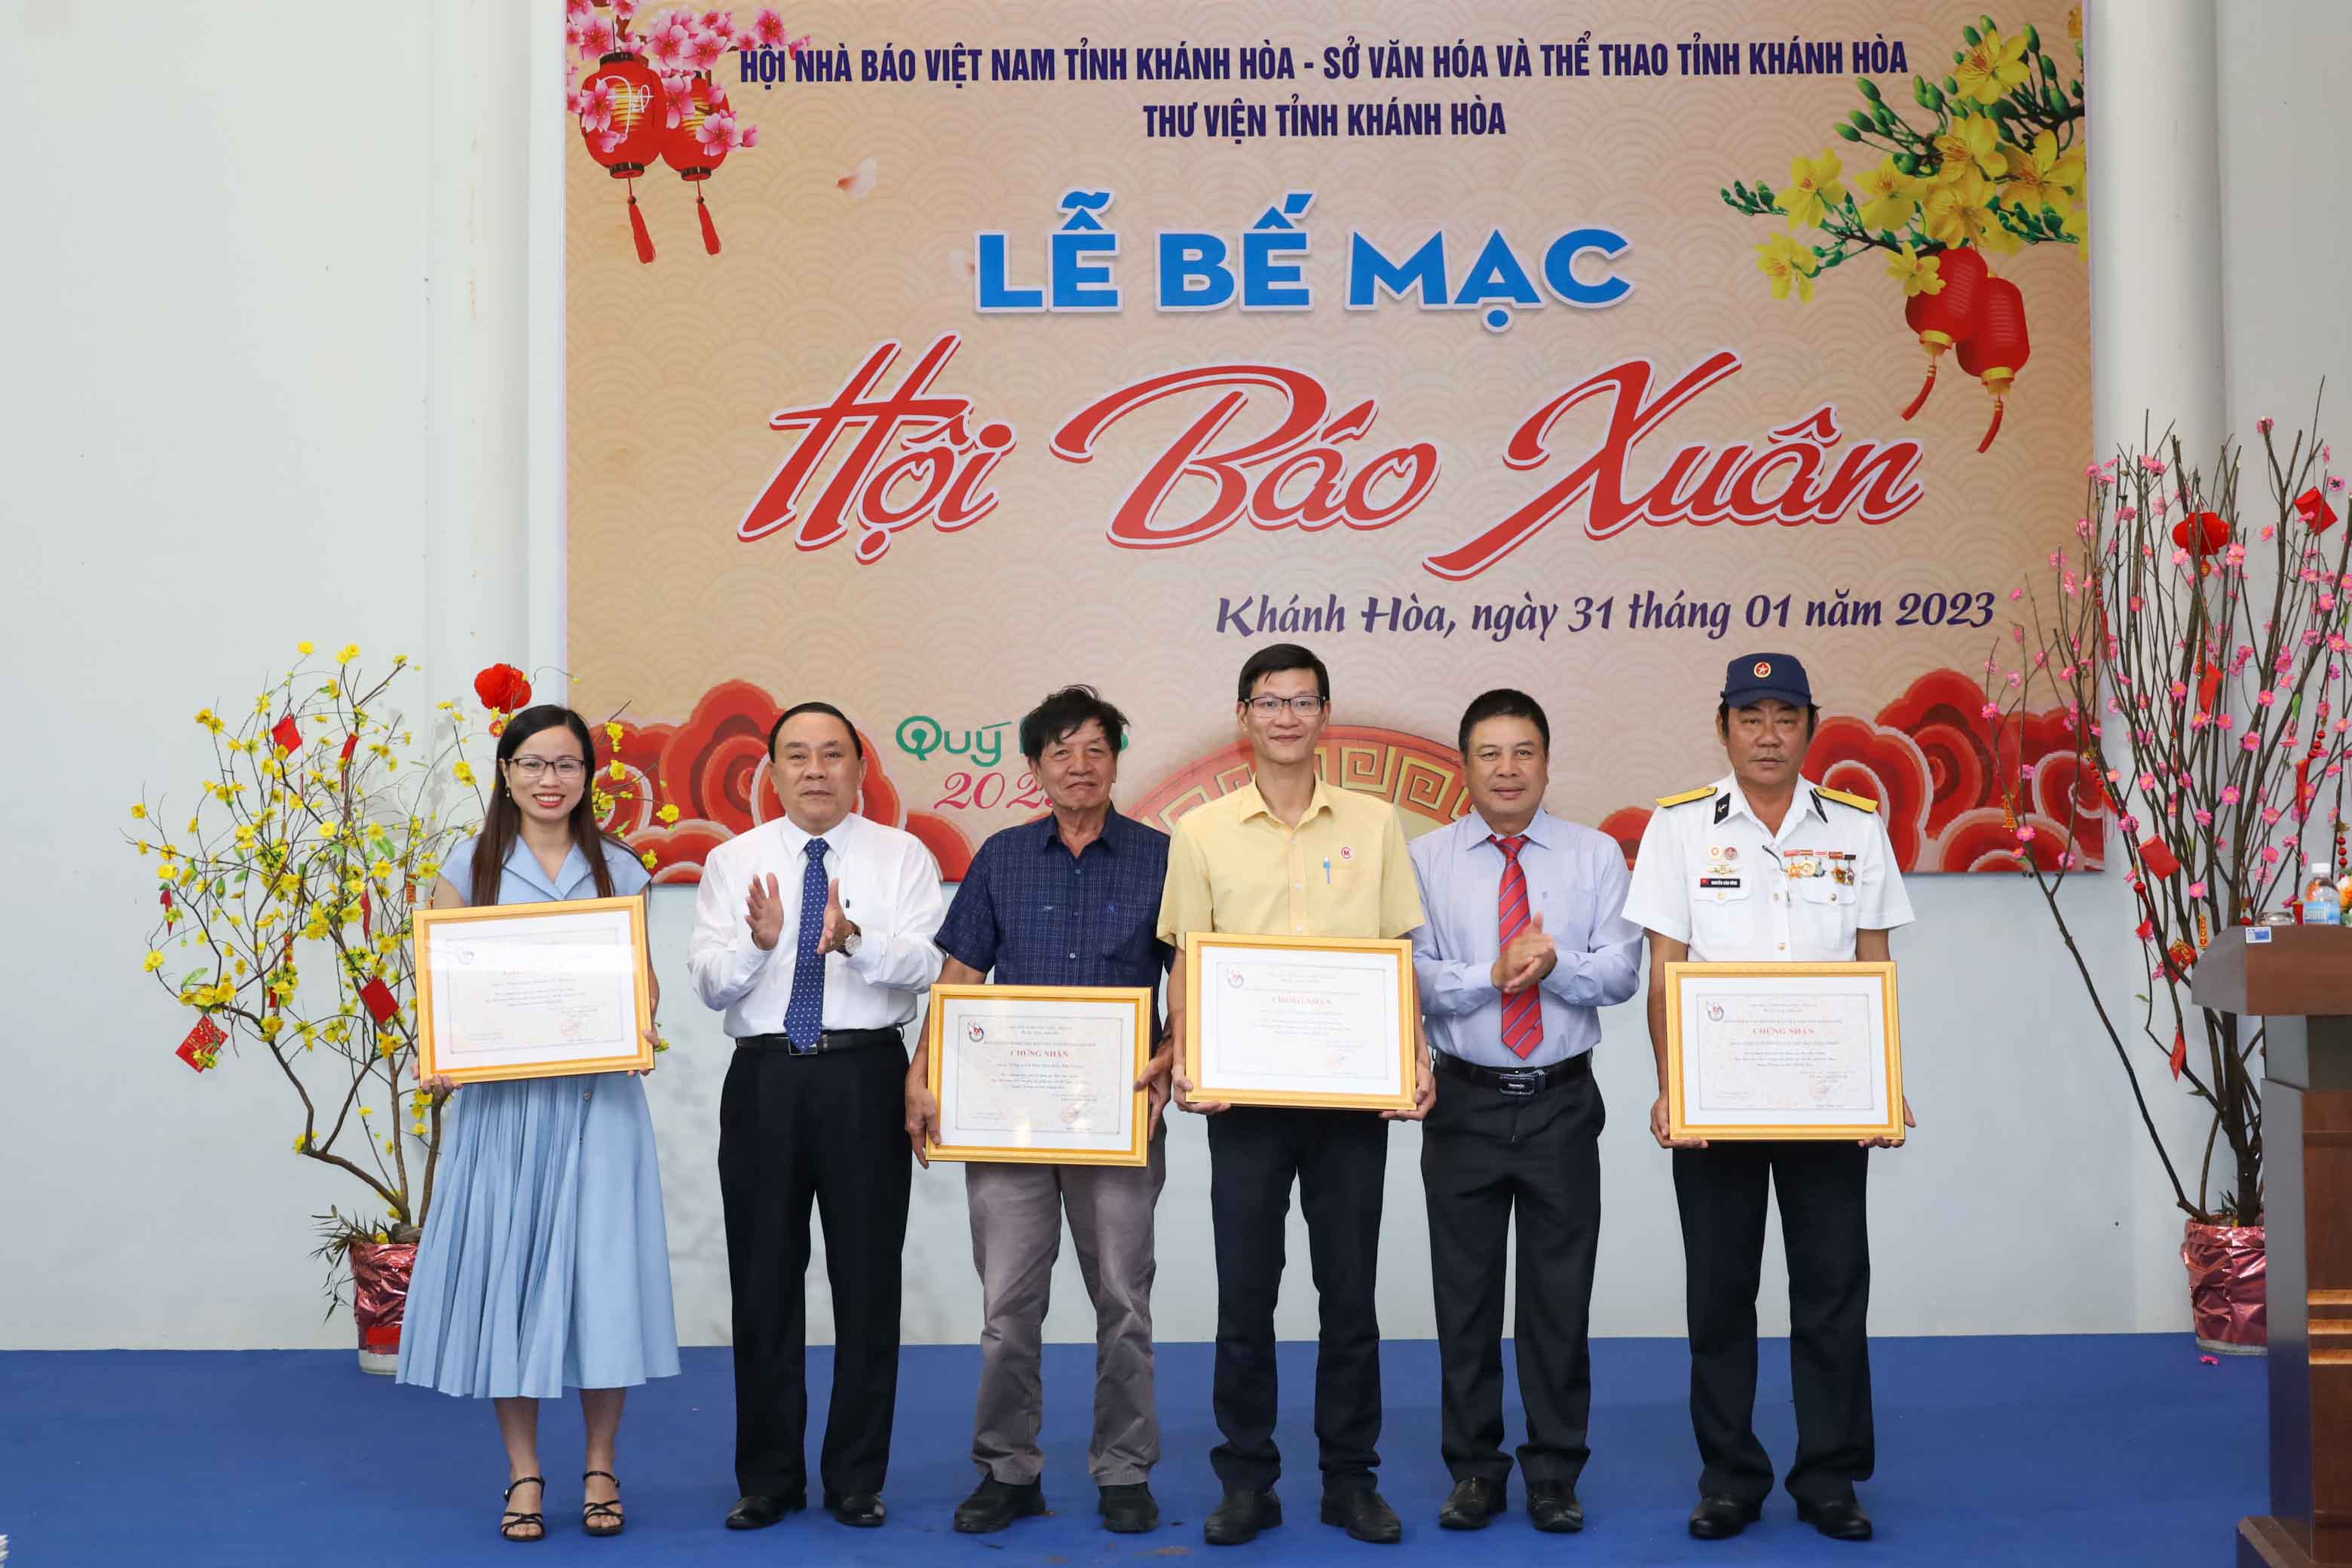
(1999, 348)
(1993, 429)
(1935, 353)
(710, 229)
(637, 226)
(1947, 316)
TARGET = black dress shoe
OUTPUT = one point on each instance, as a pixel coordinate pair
(1364, 1514)
(1721, 1518)
(1240, 1517)
(1129, 1510)
(756, 1511)
(1552, 1508)
(1473, 1500)
(1838, 1520)
(994, 1504)
(861, 1511)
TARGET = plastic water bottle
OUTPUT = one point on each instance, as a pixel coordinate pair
(2321, 904)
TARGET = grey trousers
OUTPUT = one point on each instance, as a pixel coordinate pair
(1016, 1233)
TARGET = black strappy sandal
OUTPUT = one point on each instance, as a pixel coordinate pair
(511, 1521)
(603, 1517)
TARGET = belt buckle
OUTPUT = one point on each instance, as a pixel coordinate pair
(1520, 1083)
(793, 1047)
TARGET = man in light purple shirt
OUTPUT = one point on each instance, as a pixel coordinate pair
(1525, 938)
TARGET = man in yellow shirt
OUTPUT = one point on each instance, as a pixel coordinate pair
(1286, 854)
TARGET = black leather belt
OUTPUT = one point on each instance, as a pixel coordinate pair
(830, 1041)
(1517, 1082)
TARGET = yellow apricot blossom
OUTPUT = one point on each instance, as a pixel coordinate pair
(1886, 194)
(1960, 212)
(1971, 145)
(1813, 188)
(1991, 66)
(1788, 265)
(2044, 176)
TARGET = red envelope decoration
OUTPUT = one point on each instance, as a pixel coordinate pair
(2157, 856)
(2312, 508)
(379, 999)
(198, 1050)
(287, 734)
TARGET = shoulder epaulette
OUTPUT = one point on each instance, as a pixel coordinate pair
(1859, 801)
(1688, 796)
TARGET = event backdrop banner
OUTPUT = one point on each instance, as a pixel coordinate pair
(925, 359)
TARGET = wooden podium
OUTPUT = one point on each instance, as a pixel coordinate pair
(2299, 982)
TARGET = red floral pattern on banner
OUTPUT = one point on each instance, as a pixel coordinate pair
(714, 768)
(1940, 770)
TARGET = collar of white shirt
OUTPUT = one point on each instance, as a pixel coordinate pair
(1806, 800)
(793, 839)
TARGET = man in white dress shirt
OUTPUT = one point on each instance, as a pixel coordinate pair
(1765, 867)
(814, 935)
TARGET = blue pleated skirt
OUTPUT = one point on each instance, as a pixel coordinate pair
(544, 1263)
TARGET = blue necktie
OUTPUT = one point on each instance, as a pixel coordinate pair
(804, 1012)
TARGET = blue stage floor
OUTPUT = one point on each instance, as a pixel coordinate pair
(2124, 1449)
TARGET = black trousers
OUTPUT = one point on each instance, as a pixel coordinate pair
(1339, 1160)
(1484, 1154)
(1824, 1223)
(829, 1128)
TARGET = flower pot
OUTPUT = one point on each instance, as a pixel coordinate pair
(2228, 1288)
(379, 1272)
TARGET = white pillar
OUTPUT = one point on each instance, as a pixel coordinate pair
(2156, 221)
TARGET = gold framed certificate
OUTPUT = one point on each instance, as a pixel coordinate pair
(1300, 1020)
(510, 991)
(1041, 1075)
(1783, 1051)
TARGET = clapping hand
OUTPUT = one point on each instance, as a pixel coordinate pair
(838, 927)
(763, 912)
(1530, 957)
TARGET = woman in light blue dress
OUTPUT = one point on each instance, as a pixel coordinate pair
(544, 1263)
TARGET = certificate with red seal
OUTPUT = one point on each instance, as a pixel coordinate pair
(1783, 1051)
(1039, 1075)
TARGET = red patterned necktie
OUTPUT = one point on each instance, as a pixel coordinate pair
(1522, 1013)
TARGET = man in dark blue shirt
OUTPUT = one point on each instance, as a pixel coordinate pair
(1072, 899)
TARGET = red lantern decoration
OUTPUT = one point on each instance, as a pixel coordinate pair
(502, 688)
(1947, 316)
(2201, 535)
(624, 127)
(1999, 347)
(683, 150)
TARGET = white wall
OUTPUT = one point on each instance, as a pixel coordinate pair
(271, 377)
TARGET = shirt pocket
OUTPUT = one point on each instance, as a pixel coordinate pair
(1722, 914)
(1828, 907)
(1125, 933)
(1567, 920)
